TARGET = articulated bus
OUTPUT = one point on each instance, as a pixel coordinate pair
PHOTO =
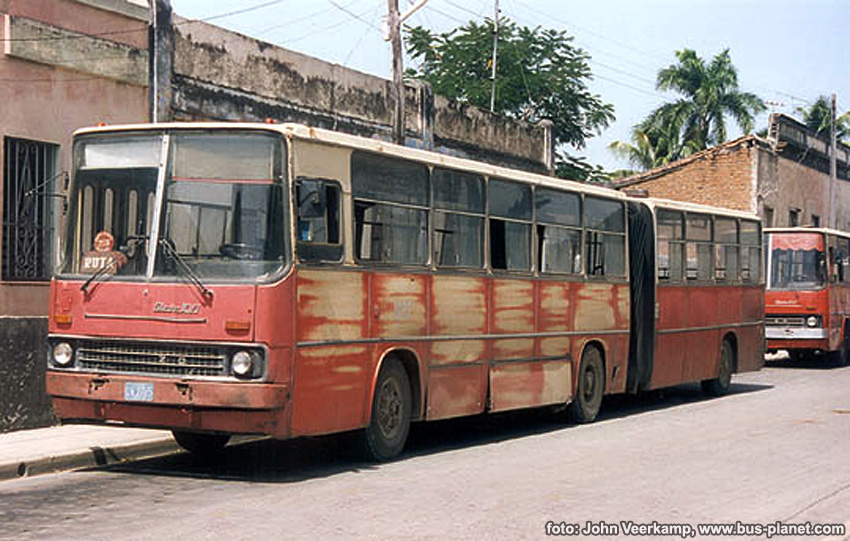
(281, 280)
(808, 292)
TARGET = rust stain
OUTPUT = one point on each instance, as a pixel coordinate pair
(399, 305)
(331, 305)
(554, 307)
(595, 307)
(513, 306)
(530, 384)
(453, 351)
(459, 305)
(555, 346)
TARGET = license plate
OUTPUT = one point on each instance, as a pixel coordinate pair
(138, 392)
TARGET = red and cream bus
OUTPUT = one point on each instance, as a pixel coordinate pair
(281, 280)
(808, 292)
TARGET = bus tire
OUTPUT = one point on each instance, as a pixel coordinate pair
(719, 386)
(392, 405)
(199, 443)
(590, 387)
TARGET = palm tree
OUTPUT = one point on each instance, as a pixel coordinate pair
(697, 120)
(816, 117)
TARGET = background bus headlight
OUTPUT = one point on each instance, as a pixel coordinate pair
(243, 364)
(63, 354)
(812, 321)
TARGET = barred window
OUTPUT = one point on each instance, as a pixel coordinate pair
(29, 199)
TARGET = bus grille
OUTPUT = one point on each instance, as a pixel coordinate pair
(786, 321)
(152, 359)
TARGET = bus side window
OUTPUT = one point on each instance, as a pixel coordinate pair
(698, 248)
(750, 251)
(670, 249)
(558, 231)
(318, 222)
(605, 237)
(510, 225)
(726, 249)
(458, 233)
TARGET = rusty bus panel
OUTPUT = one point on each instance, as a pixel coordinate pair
(332, 384)
(331, 305)
(454, 391)
(512, 308)
(459, 309)
(596, 308)
(399, 305)
(521, 385)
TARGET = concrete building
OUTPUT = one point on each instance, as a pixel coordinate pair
(784, 178)
(66, 64)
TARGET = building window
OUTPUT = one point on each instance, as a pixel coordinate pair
(793, 217)
(815, 220)
(29, 173)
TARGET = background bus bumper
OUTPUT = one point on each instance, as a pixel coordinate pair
(238, 408)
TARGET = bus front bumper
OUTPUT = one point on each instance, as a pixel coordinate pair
(232, 407)
(796, 338)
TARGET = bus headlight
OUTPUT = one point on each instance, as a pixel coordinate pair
(243, 364)
(812, 321)
(63, 354)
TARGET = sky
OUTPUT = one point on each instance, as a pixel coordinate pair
(786, 52)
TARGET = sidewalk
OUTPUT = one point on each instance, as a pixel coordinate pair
(26, 453)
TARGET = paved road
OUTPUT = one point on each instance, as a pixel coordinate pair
(777, 449)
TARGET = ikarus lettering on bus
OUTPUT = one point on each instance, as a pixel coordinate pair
(186, 308)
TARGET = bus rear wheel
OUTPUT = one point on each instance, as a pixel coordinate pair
(590, 387)
(392, 404)
(199, 443)
(720, 385)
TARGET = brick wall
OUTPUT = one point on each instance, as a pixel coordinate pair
(722, 177)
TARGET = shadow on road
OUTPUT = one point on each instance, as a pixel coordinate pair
(311, 458)
(811, 362)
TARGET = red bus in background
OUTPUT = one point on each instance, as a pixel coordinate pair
(281, 280)
(808, 292)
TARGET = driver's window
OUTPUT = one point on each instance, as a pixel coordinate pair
(318, 226)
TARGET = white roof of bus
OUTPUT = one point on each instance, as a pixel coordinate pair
(824, 230)
(300, 131)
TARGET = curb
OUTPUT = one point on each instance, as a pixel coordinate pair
(93, 456)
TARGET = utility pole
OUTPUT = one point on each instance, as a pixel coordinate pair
(495, 57)
(394, 23)
(833, 170)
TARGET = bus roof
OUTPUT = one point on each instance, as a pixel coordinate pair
(821, 230)
(300, 131)
(330, 137)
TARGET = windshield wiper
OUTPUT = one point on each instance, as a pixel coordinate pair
(193, 276)
(109, 265)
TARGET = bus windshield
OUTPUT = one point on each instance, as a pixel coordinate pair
(796, 261)
(221, 213)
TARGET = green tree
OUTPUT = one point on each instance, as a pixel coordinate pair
(541, 75)
(709, 94)
(817, 119)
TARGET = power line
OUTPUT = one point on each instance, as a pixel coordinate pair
(356, 16)
(140, 30)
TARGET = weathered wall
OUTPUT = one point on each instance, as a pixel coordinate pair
(222, 75)
(23, 354)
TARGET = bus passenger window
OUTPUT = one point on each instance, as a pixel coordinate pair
(698, 248)
(390, 209)
(605, 237)
(318, 231)
(750, 251)
(726, 249)
(670, 250)
(458, 236)
(510, 225)
(558, 231)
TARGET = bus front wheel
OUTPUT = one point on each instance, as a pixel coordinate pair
(200, 444)
(719, 386)
(590, 387)
(392, 404)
